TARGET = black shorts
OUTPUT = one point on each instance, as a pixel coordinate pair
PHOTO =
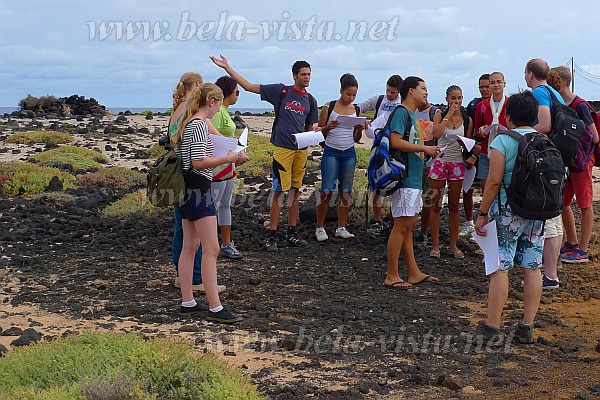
(197, 204)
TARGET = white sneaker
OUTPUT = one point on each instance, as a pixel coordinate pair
(343, 233)
(321, 234)
(466, 228)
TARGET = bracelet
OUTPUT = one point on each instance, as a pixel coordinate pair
(474, 156)
(482, 214)
(444, 119)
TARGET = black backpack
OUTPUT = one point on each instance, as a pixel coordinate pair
(567, 129)
(538, 179)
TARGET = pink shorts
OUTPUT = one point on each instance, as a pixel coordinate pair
(581, 186)
(445, 170)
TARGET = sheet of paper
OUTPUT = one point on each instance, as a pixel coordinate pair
(243, 140)
(377, 123)
(350, 121)
(489, 245)
(310, 138)
(469, 178)
(437, 156)
(222, 145)
(469, 143)
(495, 128)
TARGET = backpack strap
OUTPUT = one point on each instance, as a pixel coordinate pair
(552, 96)
(357, 109)
(277, 109)
(377, 105)
(408, 126)
(432, 110)
(313, 106)
(330, 109)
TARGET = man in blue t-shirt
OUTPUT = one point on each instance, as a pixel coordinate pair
(297, 113)
(536, 73)
(405, 202)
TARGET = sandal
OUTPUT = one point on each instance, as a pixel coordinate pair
(457, 253)
(479, 251)
(435, 253)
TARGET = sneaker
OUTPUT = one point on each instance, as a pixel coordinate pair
(523, 333)
(271, 244)
(375, 228)
(295, 240)
(321, 234)
(223, 316)
(575, 257)
(549, 284)
(489, 333)
(568, 247)
(343, 233)
(193, 310)
(230, 251)
(200, 287)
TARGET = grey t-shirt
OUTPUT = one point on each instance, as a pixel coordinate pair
(294, 114)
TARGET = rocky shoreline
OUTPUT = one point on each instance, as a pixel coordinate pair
(318, 321)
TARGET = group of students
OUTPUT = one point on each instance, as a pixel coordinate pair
(405, 104)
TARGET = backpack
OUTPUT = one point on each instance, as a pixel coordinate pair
(387, 168)
(596, 119)
(165, 181)
(378, 104)
(312, 101)
(538, 179)
(567, 129)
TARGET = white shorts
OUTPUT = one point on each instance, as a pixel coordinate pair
(553, 228)
(405, 202)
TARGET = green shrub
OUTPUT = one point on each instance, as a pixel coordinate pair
(79, 158)
(362, 157)
(109, 363)
(260, 151)
(40, 137)
(53, 199)
(115, 177)
(146, 112)
(28, 179)
(156, 151)
(133, 204)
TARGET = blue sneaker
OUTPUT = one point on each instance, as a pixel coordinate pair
(575, 257)
(568, 247)
(549, 284)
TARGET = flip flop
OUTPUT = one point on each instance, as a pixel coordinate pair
(434, 254)
(398, 285)
(426, 280)
(457, 253)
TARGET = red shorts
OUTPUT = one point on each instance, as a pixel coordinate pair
(580, 185)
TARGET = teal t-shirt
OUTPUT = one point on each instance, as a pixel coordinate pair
(509, 147)
(414, 179)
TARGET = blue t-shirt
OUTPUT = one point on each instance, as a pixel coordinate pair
(509, 147)
(414, 180)
(294, 114)
(544, 98)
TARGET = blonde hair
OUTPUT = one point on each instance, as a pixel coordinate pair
(185, 84)
(559, 77)
(199, 99)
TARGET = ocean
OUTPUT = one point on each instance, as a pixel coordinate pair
(137, 110)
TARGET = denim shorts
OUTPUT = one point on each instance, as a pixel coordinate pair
(483, 170)
(337, 166)
(196, 205)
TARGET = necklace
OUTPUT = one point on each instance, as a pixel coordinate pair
(456, 122)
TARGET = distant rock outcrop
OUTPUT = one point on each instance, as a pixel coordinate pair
(63, 107)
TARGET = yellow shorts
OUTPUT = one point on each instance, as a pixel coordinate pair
(289, 167)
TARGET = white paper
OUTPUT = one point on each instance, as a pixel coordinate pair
(310, 138)
(350, 121)
(377, 123)
(437, 156)
(222, 145)
(243, 141)
(489, 245)
(469, 143)
(494, 127)
(469, 178)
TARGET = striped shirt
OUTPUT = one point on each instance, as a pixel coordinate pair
(196, 145)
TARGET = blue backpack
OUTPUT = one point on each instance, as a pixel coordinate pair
(387, 167)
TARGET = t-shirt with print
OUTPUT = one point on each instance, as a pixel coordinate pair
(196, 145)
(294, 114)
(414, 179)
(509, 147)
(385, 108)
(223, 123)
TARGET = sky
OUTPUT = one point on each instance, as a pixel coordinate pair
(65, 47)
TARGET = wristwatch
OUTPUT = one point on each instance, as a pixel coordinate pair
(482, 214)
